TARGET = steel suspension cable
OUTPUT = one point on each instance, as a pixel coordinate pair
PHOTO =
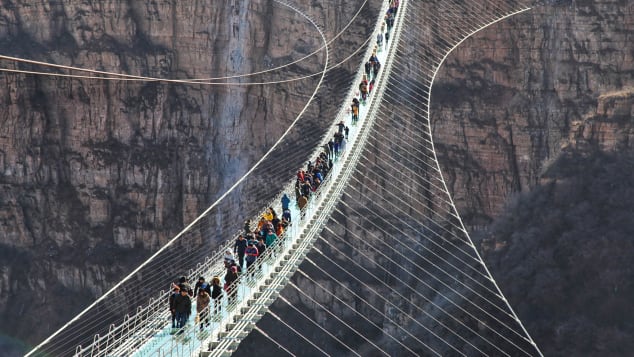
(452, 277)
(273, 340)
(298, 333)
(363, 316)
(123, 77)
(290, 304)
(387, 301)
(428, 105)
(421, 281)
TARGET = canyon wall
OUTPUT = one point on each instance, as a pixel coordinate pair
(97, 174)
(506, 100)
(533, 124)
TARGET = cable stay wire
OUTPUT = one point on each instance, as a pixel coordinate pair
(492, 21)
(404, 234)
(416, 229)
(451, 277)
(388, 118)
(391, 288)
(422, 183)
(211, 80)
(283, 299)
(365, 317)
(446, 9)
(273, 340)
(429, 217)
(398, 87)
(300, 334)
(443, 260)
(423, 179)
(382, 313)
(457, 305)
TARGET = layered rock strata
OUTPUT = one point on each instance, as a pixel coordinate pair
(96, 174)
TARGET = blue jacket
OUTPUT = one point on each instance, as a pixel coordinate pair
(285, 202)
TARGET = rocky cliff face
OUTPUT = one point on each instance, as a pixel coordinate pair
(541, 106)
(96, 174)
(513, 93)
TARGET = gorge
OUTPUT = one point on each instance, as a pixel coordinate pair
(531, 121)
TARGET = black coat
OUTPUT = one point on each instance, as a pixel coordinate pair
(216, 292)
(240, 246)
(182, 304)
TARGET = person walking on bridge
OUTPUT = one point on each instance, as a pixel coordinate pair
(183, 283)
(175, 292)
(183, 307)
(216, 293)
(355, 110)
(252, 254)
(285, 202)
(239, 248)
(201, 285)
(331, 145)
(231, 278)
(202, 308)
(363, 88)
(270, 238)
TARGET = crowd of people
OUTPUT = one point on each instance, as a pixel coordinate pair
(255, 240)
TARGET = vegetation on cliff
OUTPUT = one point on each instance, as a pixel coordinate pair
(562, 255)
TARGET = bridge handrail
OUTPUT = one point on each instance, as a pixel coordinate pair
(162, 297)
(160, 302)
(270, 251)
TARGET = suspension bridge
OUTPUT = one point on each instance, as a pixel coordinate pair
(377, 263)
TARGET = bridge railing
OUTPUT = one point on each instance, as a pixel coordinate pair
(138, 329)
(189, 338)
(156, 312)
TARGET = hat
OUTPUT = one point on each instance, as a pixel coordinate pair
(234, 269)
